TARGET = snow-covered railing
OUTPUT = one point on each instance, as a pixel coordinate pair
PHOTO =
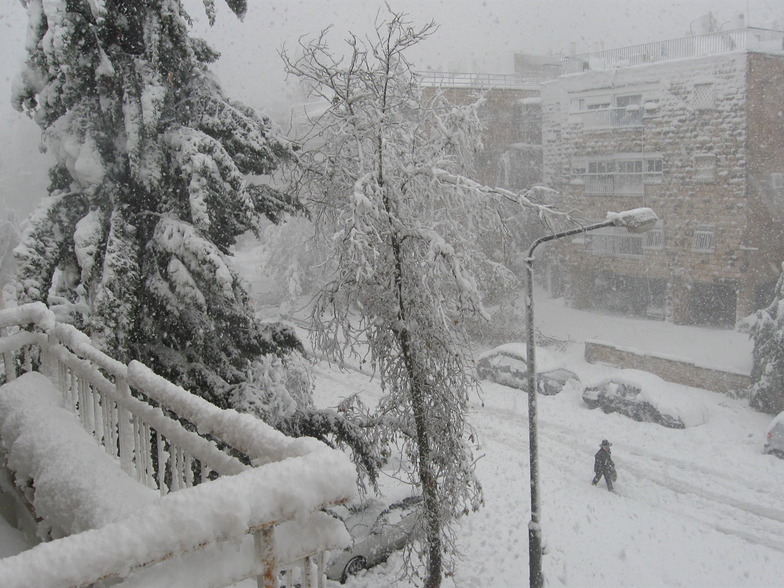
(168, 440)
(442, 79)
(112, 401)
(716, 43)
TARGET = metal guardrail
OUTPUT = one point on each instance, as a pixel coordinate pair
(441, 79)
(746, 39)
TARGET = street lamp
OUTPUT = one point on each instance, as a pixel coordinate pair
(637, 220)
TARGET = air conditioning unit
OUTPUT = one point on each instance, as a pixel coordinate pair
(777, 181)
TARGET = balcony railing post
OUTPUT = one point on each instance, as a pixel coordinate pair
(8, 361)
(125, 430)
(8, 356)
(264, 542)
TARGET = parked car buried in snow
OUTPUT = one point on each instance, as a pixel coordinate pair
(376, 532)
(645, 397)
(506, 364)
(774, 442)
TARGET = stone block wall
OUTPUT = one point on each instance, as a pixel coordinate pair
(672, 370)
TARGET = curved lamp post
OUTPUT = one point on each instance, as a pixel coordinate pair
(637, 220)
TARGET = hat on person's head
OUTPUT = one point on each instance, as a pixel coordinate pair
(605, 443)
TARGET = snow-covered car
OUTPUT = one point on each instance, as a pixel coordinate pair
(506, 364)
(376, 532)
(645, 397)
(774, 442)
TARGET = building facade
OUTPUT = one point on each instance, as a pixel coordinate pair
(693, 128)
(510, 111)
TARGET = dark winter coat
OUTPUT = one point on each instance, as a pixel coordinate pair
(603, 463)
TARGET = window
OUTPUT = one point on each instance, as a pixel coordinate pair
(577, 172)
(705, 168)
(615, 242)
(618, 175)
(630, 100)
(626, 117)
(627, 111)
(596, 104)
(704, 239)
(654, 239)
(628, 180)
(654, 169)
(599, 179)
(703, 97)
(605, 112)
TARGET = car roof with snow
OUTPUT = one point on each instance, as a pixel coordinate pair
(545, 361)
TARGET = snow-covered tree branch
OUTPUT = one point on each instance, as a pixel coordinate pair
(388, 169)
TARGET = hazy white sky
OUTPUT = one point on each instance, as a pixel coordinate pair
(473, 34)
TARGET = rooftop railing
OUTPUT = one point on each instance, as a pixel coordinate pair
(746, 39)
(441, 79)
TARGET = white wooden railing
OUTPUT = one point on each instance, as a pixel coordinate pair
(181, 445)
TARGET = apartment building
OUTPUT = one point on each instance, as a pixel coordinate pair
(510, 112)
(693, 128)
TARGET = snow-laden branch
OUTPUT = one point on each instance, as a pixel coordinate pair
(465, 183)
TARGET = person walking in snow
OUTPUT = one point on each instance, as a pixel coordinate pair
(604, 465)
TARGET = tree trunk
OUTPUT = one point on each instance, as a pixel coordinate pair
(417, 387)
(427, 478)
(429, 486)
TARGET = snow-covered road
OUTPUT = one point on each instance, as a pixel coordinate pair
(694, 507)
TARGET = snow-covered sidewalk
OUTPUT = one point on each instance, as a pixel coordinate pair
(711, 348)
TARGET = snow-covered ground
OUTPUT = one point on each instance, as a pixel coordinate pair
(695, 507)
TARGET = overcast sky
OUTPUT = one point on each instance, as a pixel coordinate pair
(473, 35)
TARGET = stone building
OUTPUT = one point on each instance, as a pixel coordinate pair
(693, 128)
(511, 157)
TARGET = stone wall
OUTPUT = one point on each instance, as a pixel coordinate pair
(672, 370)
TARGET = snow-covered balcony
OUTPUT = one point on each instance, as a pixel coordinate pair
(128, 477)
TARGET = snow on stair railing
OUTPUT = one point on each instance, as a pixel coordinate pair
(134, 414)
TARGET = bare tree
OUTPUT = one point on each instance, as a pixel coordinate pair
(388, 173)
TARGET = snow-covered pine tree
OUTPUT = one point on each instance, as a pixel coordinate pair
(387, 170)
(150, 190)
(767, 371)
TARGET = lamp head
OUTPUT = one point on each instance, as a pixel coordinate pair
(637, 220)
